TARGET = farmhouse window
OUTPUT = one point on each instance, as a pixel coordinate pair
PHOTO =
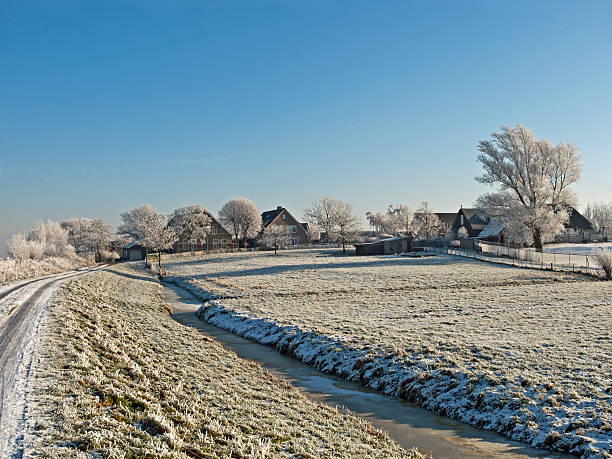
(292, 228)
(215, 230)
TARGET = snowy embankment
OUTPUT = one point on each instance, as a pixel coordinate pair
(517, 407)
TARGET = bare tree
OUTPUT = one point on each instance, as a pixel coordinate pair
(533, 178)
(336, 218)
(347, 222)
(402, 216)
(397, 220)
(426, 223)
(276, 236)
(242, 217)
(191, 222)
(324, 215)
(599, 214)
(462, 233)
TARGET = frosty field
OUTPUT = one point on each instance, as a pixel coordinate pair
(117, 377)
(524, 352)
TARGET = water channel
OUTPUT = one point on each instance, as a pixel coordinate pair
(407, 424)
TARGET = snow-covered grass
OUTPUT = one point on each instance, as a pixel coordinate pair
(117, 377)
(578, 249)
(524, 352)
(12, 270)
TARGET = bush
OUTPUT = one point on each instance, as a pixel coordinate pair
(603, 258)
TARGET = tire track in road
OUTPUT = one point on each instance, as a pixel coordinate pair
(17, 342)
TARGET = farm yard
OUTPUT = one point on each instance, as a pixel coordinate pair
(523, 352)
(116, 376)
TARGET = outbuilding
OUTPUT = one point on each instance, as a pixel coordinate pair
(400, 244)
(133, 252)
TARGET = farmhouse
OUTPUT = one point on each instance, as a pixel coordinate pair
(218, 239)
(281, 216)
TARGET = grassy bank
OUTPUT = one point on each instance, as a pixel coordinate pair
(118, 377)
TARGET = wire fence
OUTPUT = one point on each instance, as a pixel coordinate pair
(560, 260)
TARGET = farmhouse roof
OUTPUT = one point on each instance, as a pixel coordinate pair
(578, 221)
(268, 216)
(493, 229)
(448, 218)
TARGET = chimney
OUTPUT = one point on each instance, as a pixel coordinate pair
(279, 207)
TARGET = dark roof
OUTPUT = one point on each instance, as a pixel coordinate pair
(578, 221)
(268, 216)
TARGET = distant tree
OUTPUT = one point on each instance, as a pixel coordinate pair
(77, 229)
(276, 236)
(158, 236)
(599, 214)
(89, 235)
(18, 246)
(397, 220)
(402, 216)
(377, 221)
(324, 215)
(426, 223)
(242, 217)
(347, 223)
(336, 218)
(98, 236)
(52, 238)
(533, 178)
(191, 222)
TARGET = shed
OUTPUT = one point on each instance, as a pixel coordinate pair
(400, 244)
(133, 252)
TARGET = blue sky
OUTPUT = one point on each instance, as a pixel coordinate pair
(107, 107)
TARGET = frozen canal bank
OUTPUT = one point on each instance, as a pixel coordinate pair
(408, 425)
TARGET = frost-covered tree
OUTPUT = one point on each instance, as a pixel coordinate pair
(276, 236)
(397, 220)
(52, 237)
(402, 217)
(336, 218)
(462, 233)
(599, 214)
(242, 217)
(99, 234)
(377, 221)
(150, 229)
(77, 229)
(158, 236)
(18, 246)
(191, 222)
(89, 235)
(426, 223)
(533, 177)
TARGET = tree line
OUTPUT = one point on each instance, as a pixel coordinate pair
(533, 179)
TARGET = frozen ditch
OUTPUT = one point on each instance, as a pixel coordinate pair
(407, 424)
